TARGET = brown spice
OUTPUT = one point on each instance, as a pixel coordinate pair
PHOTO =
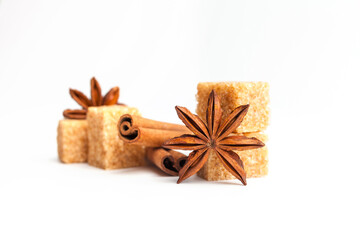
(75, 114)
(150, 133)
(168, 161)
(213, 136)
(110, 98)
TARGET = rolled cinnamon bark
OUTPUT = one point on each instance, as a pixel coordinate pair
(162, 159)
(165, 160)
(180, 160)
(147, 132)
(149, 123)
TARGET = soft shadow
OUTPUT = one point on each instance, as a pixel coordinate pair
(150, 169)
(130, 170)
(143, 169)
(54, 160)
(159, 172)
(229, 182)
(198, 180)
(57, 161)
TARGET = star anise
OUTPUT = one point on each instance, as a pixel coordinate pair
(97, 99)
(213, 136)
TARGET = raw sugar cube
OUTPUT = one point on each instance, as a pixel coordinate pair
(234, 94)
(72, 141)
(106, 149)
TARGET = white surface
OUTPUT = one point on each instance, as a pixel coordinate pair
(157, 51)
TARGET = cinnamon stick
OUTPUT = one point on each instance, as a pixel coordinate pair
(180, 159)
(147, 132)
(165, 160)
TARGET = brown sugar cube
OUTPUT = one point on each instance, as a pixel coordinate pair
(72, 141)
(255, 163)
(234, 94)
(106, 149)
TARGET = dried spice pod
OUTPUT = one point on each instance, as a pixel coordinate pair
(213, 136)
(110, 98)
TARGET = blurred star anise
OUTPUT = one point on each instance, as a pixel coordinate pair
(110, 98)
(213, 136)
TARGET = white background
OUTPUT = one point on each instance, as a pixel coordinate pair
(157, 52)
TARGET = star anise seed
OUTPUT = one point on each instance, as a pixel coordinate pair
(213, 136)
(110, 98)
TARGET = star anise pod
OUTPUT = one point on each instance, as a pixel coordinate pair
(213, 136)
(97, 99)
